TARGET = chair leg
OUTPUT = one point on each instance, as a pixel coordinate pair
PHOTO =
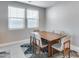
(69, 53)
(33, 48)
(52, 51)
(63, 55)
(39, 51)
(30, 40)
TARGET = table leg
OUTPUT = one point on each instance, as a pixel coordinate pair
(49, 50)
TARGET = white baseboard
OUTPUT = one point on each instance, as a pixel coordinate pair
(75, 48)
(11, 43)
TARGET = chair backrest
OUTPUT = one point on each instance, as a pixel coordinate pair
(62, 33)
(38, 39)
(32, 36)
(65, 42)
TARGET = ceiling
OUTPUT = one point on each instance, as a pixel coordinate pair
(44, 4)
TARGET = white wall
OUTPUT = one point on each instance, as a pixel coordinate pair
(64, 16)
(7, 35)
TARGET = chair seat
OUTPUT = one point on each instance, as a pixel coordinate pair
(57, 46)
(43, 46)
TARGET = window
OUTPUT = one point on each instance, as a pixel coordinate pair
(16, 18)
(32, 18)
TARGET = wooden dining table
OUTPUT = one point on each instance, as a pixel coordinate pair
(52, 38)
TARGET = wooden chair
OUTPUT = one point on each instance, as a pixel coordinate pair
(38, 43)
(64, 46)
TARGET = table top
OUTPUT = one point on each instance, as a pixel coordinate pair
(50, 36)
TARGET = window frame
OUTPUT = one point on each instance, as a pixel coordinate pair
(16, 18)
(25, 25)
(37, 19)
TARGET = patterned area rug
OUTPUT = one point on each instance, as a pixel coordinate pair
(28, 48)
(28, 51)
(4, 54)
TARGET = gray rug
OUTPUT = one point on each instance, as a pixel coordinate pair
(4, 54)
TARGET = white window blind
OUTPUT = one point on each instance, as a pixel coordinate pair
(32, 18)
(16, 18)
